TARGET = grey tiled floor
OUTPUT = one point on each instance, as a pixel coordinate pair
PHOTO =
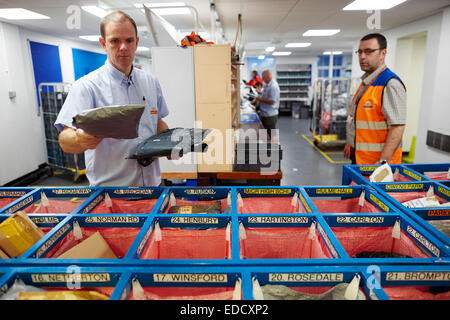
(301, 163)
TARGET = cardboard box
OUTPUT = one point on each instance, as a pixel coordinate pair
(18, 233)
(3, 255)
(94, 247)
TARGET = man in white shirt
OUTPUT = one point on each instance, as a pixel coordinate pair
(115, 83)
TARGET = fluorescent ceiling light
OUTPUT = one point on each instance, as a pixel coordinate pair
(91, 38)
(139, 49)
(373, 5)
(20, 14)
(321, 33)
(334, 52)
(298, 44)
(166, 11)
(270, 49)
(96, 11)
(281, 53)
(261, 57)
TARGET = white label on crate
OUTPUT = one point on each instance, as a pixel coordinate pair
(404, 186)
(418, 276)
(12, 193)
(133, 191)
(334, 191)
(327, 241)
(383, 207)
(194, 220)
(71, 191)
(21, 204)
(278, 220)
(144, 241)
(366, 219)
(427, 244)
(44, 219)
(52, 240)
(64, 277)
(306, 277)
(113, 219)
(190, 277)
(93, 203)
(200, 191)
(267, 191)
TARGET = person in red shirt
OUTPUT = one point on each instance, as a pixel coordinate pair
(255, 78)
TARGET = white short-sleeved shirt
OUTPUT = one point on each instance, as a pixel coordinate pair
(106, 165)
(271, 91)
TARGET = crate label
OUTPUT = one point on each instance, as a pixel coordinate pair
(94, 202)
(437, 213)
(418, 276)
(412, 175)
(200, 191)
(366, 219)
(133, 191)
(112, 219)
(444, 191)
(44, 219)
(185, 209)
(383, 207)
(278, 220)
(367, 168)
(12, 193)
(52, 240)
(267, 191)
(404, 186)
(305, 204)
(327, 241)
(334, 191)
(144, 241)
(306, 277)
(71, 191)
(190, 277)
(194, 220)
(21, 204)
(427, 244)
(65, 277)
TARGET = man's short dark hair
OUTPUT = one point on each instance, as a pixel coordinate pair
(117, 16)
(382, 42)
(254, 71)
(258, 83)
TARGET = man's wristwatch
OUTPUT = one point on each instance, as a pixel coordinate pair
(381, 162)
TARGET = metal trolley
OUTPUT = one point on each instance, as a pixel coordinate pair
(51, 97)
(332, 98)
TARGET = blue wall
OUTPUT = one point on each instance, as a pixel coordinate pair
(86, 61)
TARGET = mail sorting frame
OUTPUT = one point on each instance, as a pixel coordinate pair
(420, 215)
(421, 168)
(15, 193)
(374, 277)
(147, 229)
(358, 173)
(56, 193)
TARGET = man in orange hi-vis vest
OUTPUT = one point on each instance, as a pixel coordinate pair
(377, 114)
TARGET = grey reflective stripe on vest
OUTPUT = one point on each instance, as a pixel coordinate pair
(375, 147)
(371, 125)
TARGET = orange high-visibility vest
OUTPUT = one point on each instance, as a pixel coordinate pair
(371, 124)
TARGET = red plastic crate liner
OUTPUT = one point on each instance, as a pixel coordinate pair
(55, 206)
(119, 240)
(414, 293)
(437, 176)
(407, 196)
(268, 205)
(401, 178)
(188, 244)
(5, 201)
(223, 203)
(344, 206)
(359, 239)
(187, 293)
(126, 206)
(282, 243)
